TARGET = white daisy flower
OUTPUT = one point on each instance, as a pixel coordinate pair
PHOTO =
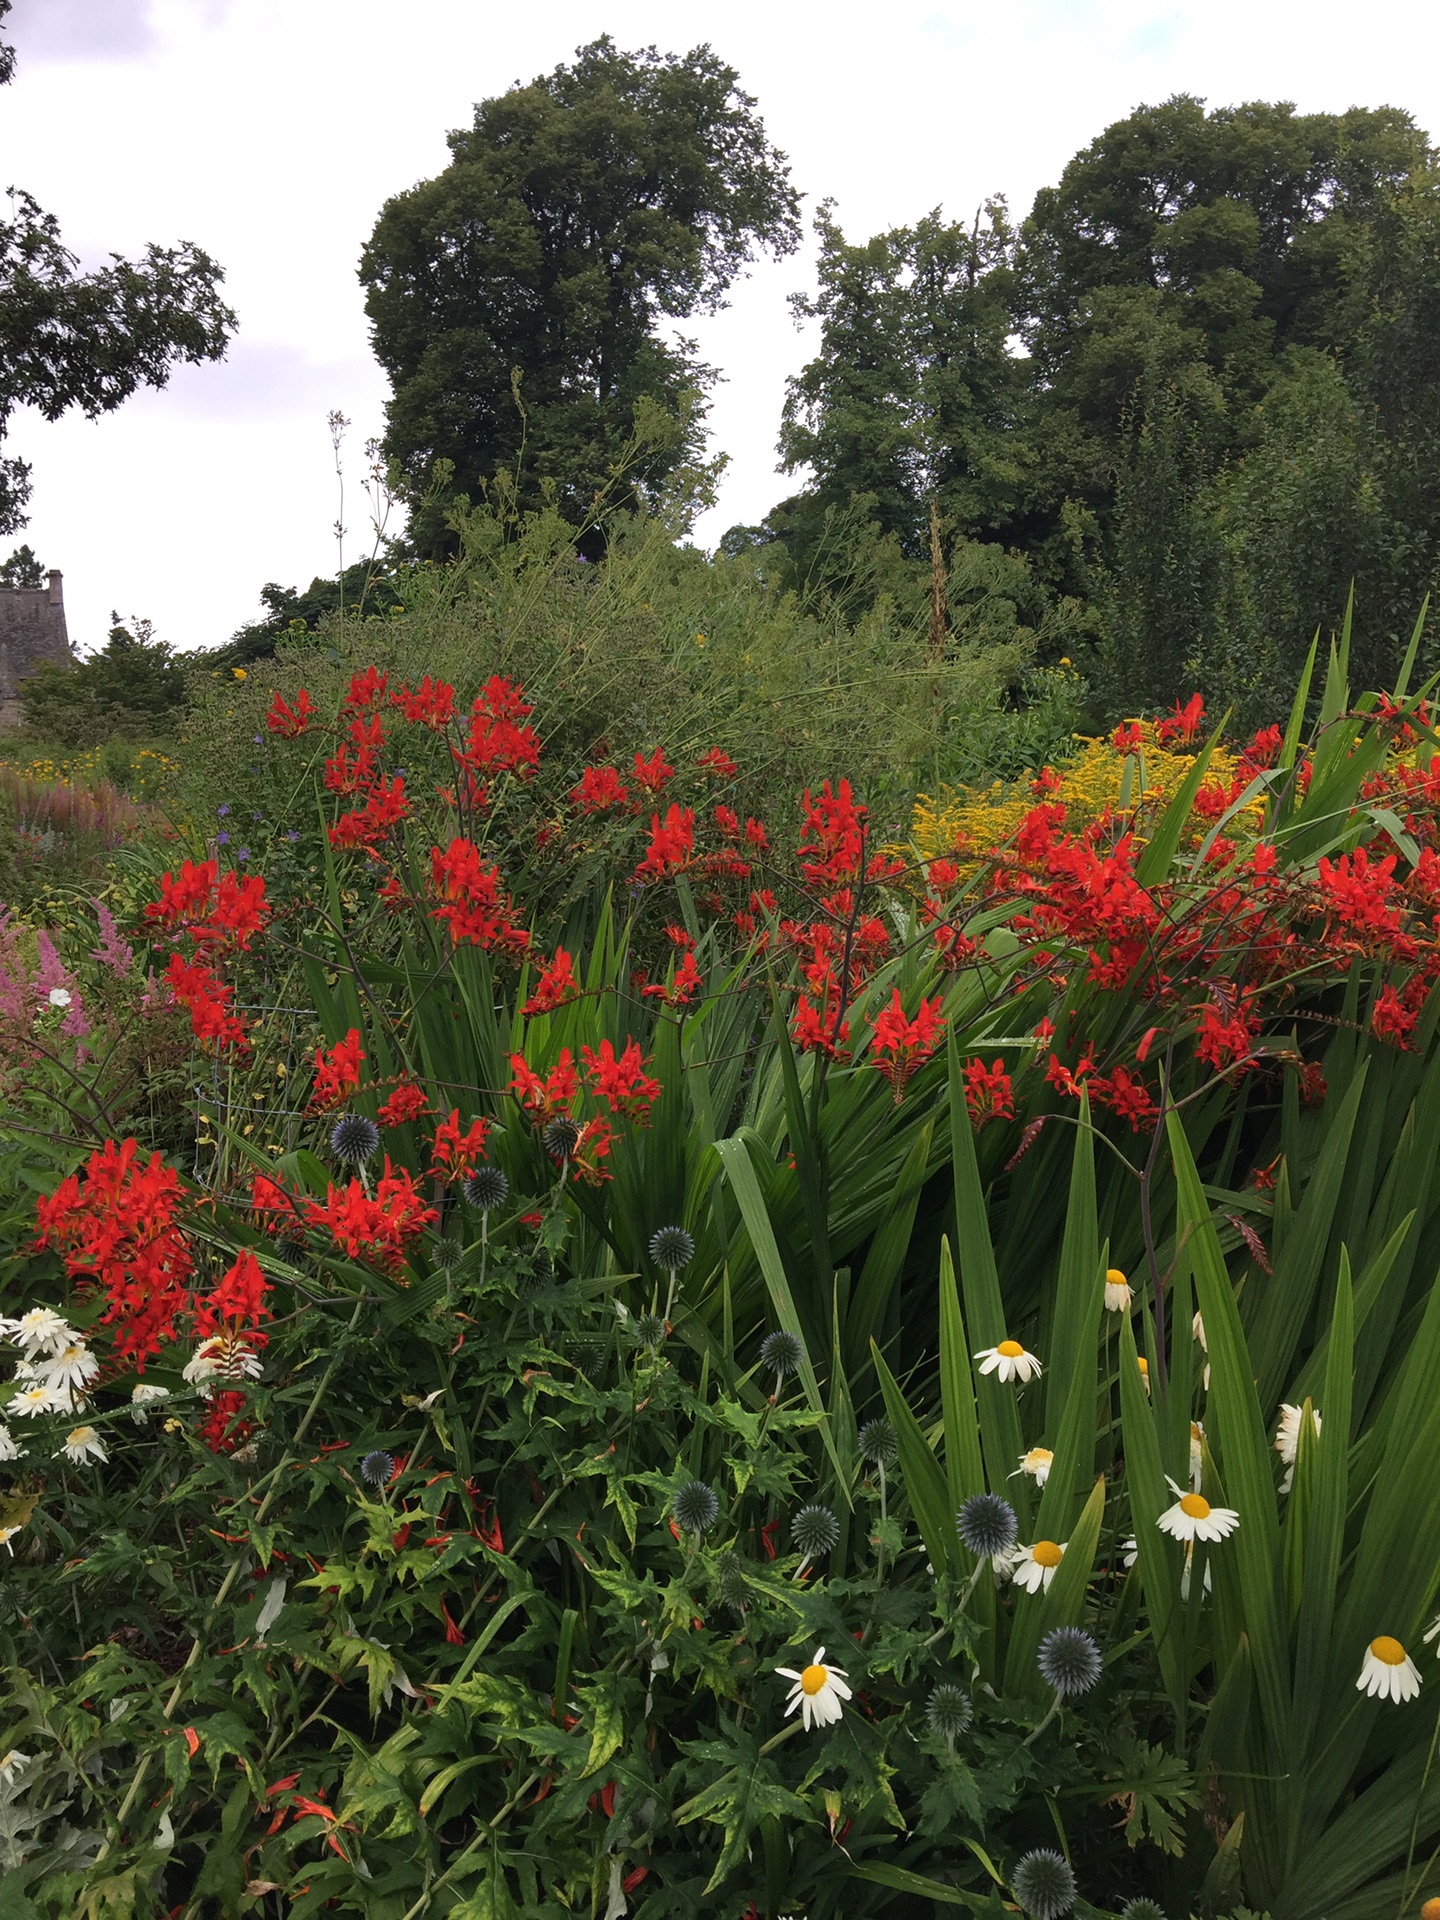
(1034, 1567)
(1197, 1327)
(1432, 1630)
(1144, 1366)
(1287, 1438)
(8, 1448)
(7, 1534)
(39, 1398)
(818, 1691)
(70, 1368)
(1193, 1518)
(43, 1327)
(1118, 1294)
(82, 1444)
(1197, 1456)
(1010, 1360)
(1388, 1670)
(12, 1763)
(1038, 1461)
(1130, 1552)
(143, 1397)
(59, 996)
(224, 1356)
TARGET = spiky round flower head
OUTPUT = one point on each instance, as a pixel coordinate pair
(1141, 1909)
(446, 1253)
(376, 1467)
(729, 1576)
(561, 1137)
(878, 1443)
(696, 1507)
(987, 1524)
(485, 1189)
(649, 1329)
(781, 1352)
(1069, 1660)
(1043, 1883)
(814, 1530)
(354, 1139)
(949, 1710)
(672, 1248)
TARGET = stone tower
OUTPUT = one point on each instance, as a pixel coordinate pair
(32, 631)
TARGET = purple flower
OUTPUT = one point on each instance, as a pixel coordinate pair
(223, 808)
(112, 952)
(242, 853)
(222, 839)
(293, 834)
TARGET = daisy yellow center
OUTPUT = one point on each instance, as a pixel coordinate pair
(1011, 1349)
(1115, 1278)
(1196, 1505)
(814, 1678)
(1039, 1457)
(81, 1437)
(1045, 1553)
(1389, 1652)
(1143, 1363)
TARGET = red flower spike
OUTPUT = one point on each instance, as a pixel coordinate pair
(290, 721)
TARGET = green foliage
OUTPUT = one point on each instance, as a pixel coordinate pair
(517, 299)
(22, 569)
(133, 689)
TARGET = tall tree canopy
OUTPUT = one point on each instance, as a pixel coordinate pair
(577, 216)
(1200, 387)
(88, 340)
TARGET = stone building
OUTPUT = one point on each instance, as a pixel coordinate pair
(32, 630)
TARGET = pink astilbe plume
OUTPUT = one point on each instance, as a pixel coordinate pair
(113, 952)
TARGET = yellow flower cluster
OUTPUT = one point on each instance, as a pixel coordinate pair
(1099, 777)
(149, 774)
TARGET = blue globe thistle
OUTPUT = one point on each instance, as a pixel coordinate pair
(485, 1189)
(672, 1248)
(781, 1353)
(1069, 1660)
(354, 1139)
(729, 1576)
(949, 1711)
(1043, 1883)
(376, 1467)
(814, 1530)
(1141, 1909)
(561, 1137)
(878, 1443)
(987, 1524)
(649, 1329)
(696, 1507)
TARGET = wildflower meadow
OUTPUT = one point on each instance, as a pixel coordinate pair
(587, 1336)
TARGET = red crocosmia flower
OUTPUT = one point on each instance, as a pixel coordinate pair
(473, 901)
(1224, 1034)
(591, 1149)
(337, 1073)
(289, 721)
(1184, 724)
(680, 937)
(1047, 781)
(239, 913)
(621, 1083)
(353, 768)
(728, 822)
(378, 1228)
(407, 1102)
(833, 834)
(553, 1095)
(455, 1154)
(116, 1226)
(366, 691)
(432, 703)
(556, 985)
(898, 1046)
(755, 834)
(1067, 1079)
(1359, 894)
(988, 1094)
(237, 1304)
(184, 901)
(1125, 1093)
(273, 1208)
(495, 743)
(1263, 750)
(1392, 1019)
(207, 1001)
(372, 824)
(600, 788)
(684, 984)
(942, 875)
(652, 774)
(715, 760)
(671, 845)
(222, 1429)
(1128, 738)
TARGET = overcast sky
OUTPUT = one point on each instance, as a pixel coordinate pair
(270, 132)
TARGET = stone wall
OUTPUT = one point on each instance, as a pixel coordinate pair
(32, 630)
